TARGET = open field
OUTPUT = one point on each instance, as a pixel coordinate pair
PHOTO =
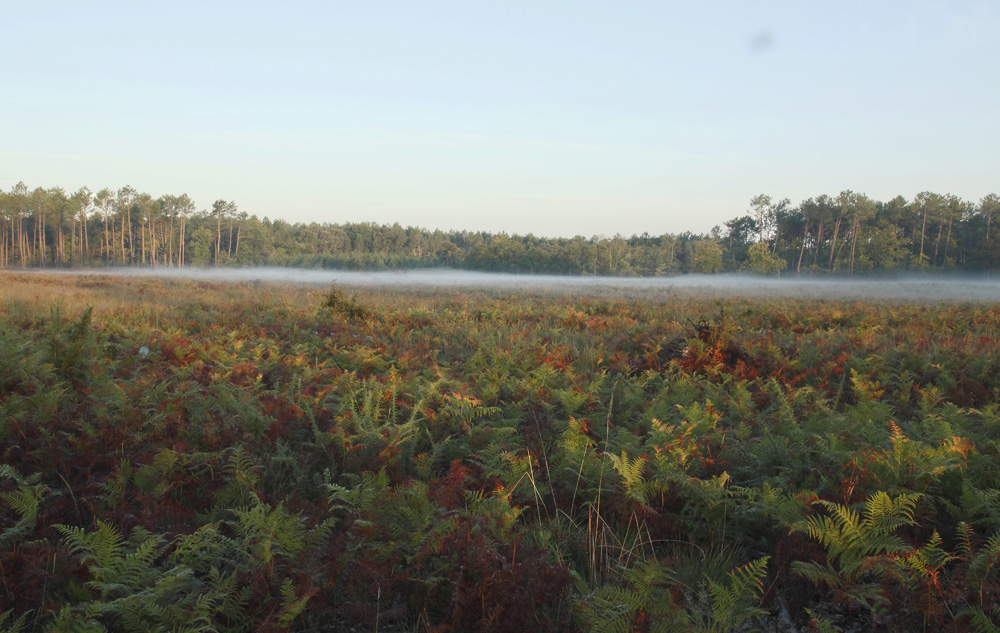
(192, 454)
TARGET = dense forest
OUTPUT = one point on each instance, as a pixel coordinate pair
(845, 234)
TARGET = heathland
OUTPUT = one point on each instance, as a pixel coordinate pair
(195, 455)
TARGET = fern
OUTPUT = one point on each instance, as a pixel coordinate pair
(768, 505)
(502, 516)
(631, 472)
(113, 563)
(70, 347)
(205, 550)
(646, 597)
(858, 546)
(81, 619)
(241, 479)
(269, 532)
(362, 497)
(981, 622)
(965, 533)
(15, 625)
(885, 515)
(820, 624)
(926, 563)
(983, 505)
(138, 591)
(25, 501)
(732, 602)
(114, 489)
(291, 604)
(371, 417)
(984, 562)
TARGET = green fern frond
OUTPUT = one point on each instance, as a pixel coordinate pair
(821, 624)
(241, 465)
(361, 497)
(206, 550)
(80, 620)
(104, 546)
(75, 539)
(732, 601)
(138, 590)
(928, 560)
(646, 596)
(291, 604)
(982, 505)
(861, 546)
(136, 565)
(270, 531)
(771, 504)
(631, 472)
(886, 515)
(15, 625)
(611, 609)
(114, 565)
(25, 501)
(965, 533)
(649, 576)
(815, 573)
(987, 558)
(982, 622)
(228, 599)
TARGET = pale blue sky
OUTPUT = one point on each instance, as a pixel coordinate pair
(554, 118)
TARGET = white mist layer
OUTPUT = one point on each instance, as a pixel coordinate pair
(909, 288)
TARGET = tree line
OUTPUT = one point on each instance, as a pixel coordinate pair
(847, 234)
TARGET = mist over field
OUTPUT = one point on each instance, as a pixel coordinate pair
(904, 288)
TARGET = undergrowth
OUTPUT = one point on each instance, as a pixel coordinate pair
(291, 460)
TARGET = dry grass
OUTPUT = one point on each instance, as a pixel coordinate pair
(32, 294)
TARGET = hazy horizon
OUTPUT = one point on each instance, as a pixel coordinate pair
(897, 287)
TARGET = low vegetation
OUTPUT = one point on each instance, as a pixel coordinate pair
(193, 456)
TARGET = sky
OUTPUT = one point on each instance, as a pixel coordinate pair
(553, 118)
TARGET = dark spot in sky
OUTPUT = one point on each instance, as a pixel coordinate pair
(761, 42)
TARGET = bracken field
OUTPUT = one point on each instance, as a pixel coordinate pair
(207, 456)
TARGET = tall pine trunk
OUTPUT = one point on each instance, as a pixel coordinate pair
(833, 245)
(86, 240)
(107, 239)
(819, 242)
(854, 240)
(152, 240)
(72, 244)
(944, 258)
(131, 245)
(937, 242)
(923, 231)
(802, 251)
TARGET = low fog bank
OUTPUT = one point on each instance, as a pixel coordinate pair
(911, 288)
